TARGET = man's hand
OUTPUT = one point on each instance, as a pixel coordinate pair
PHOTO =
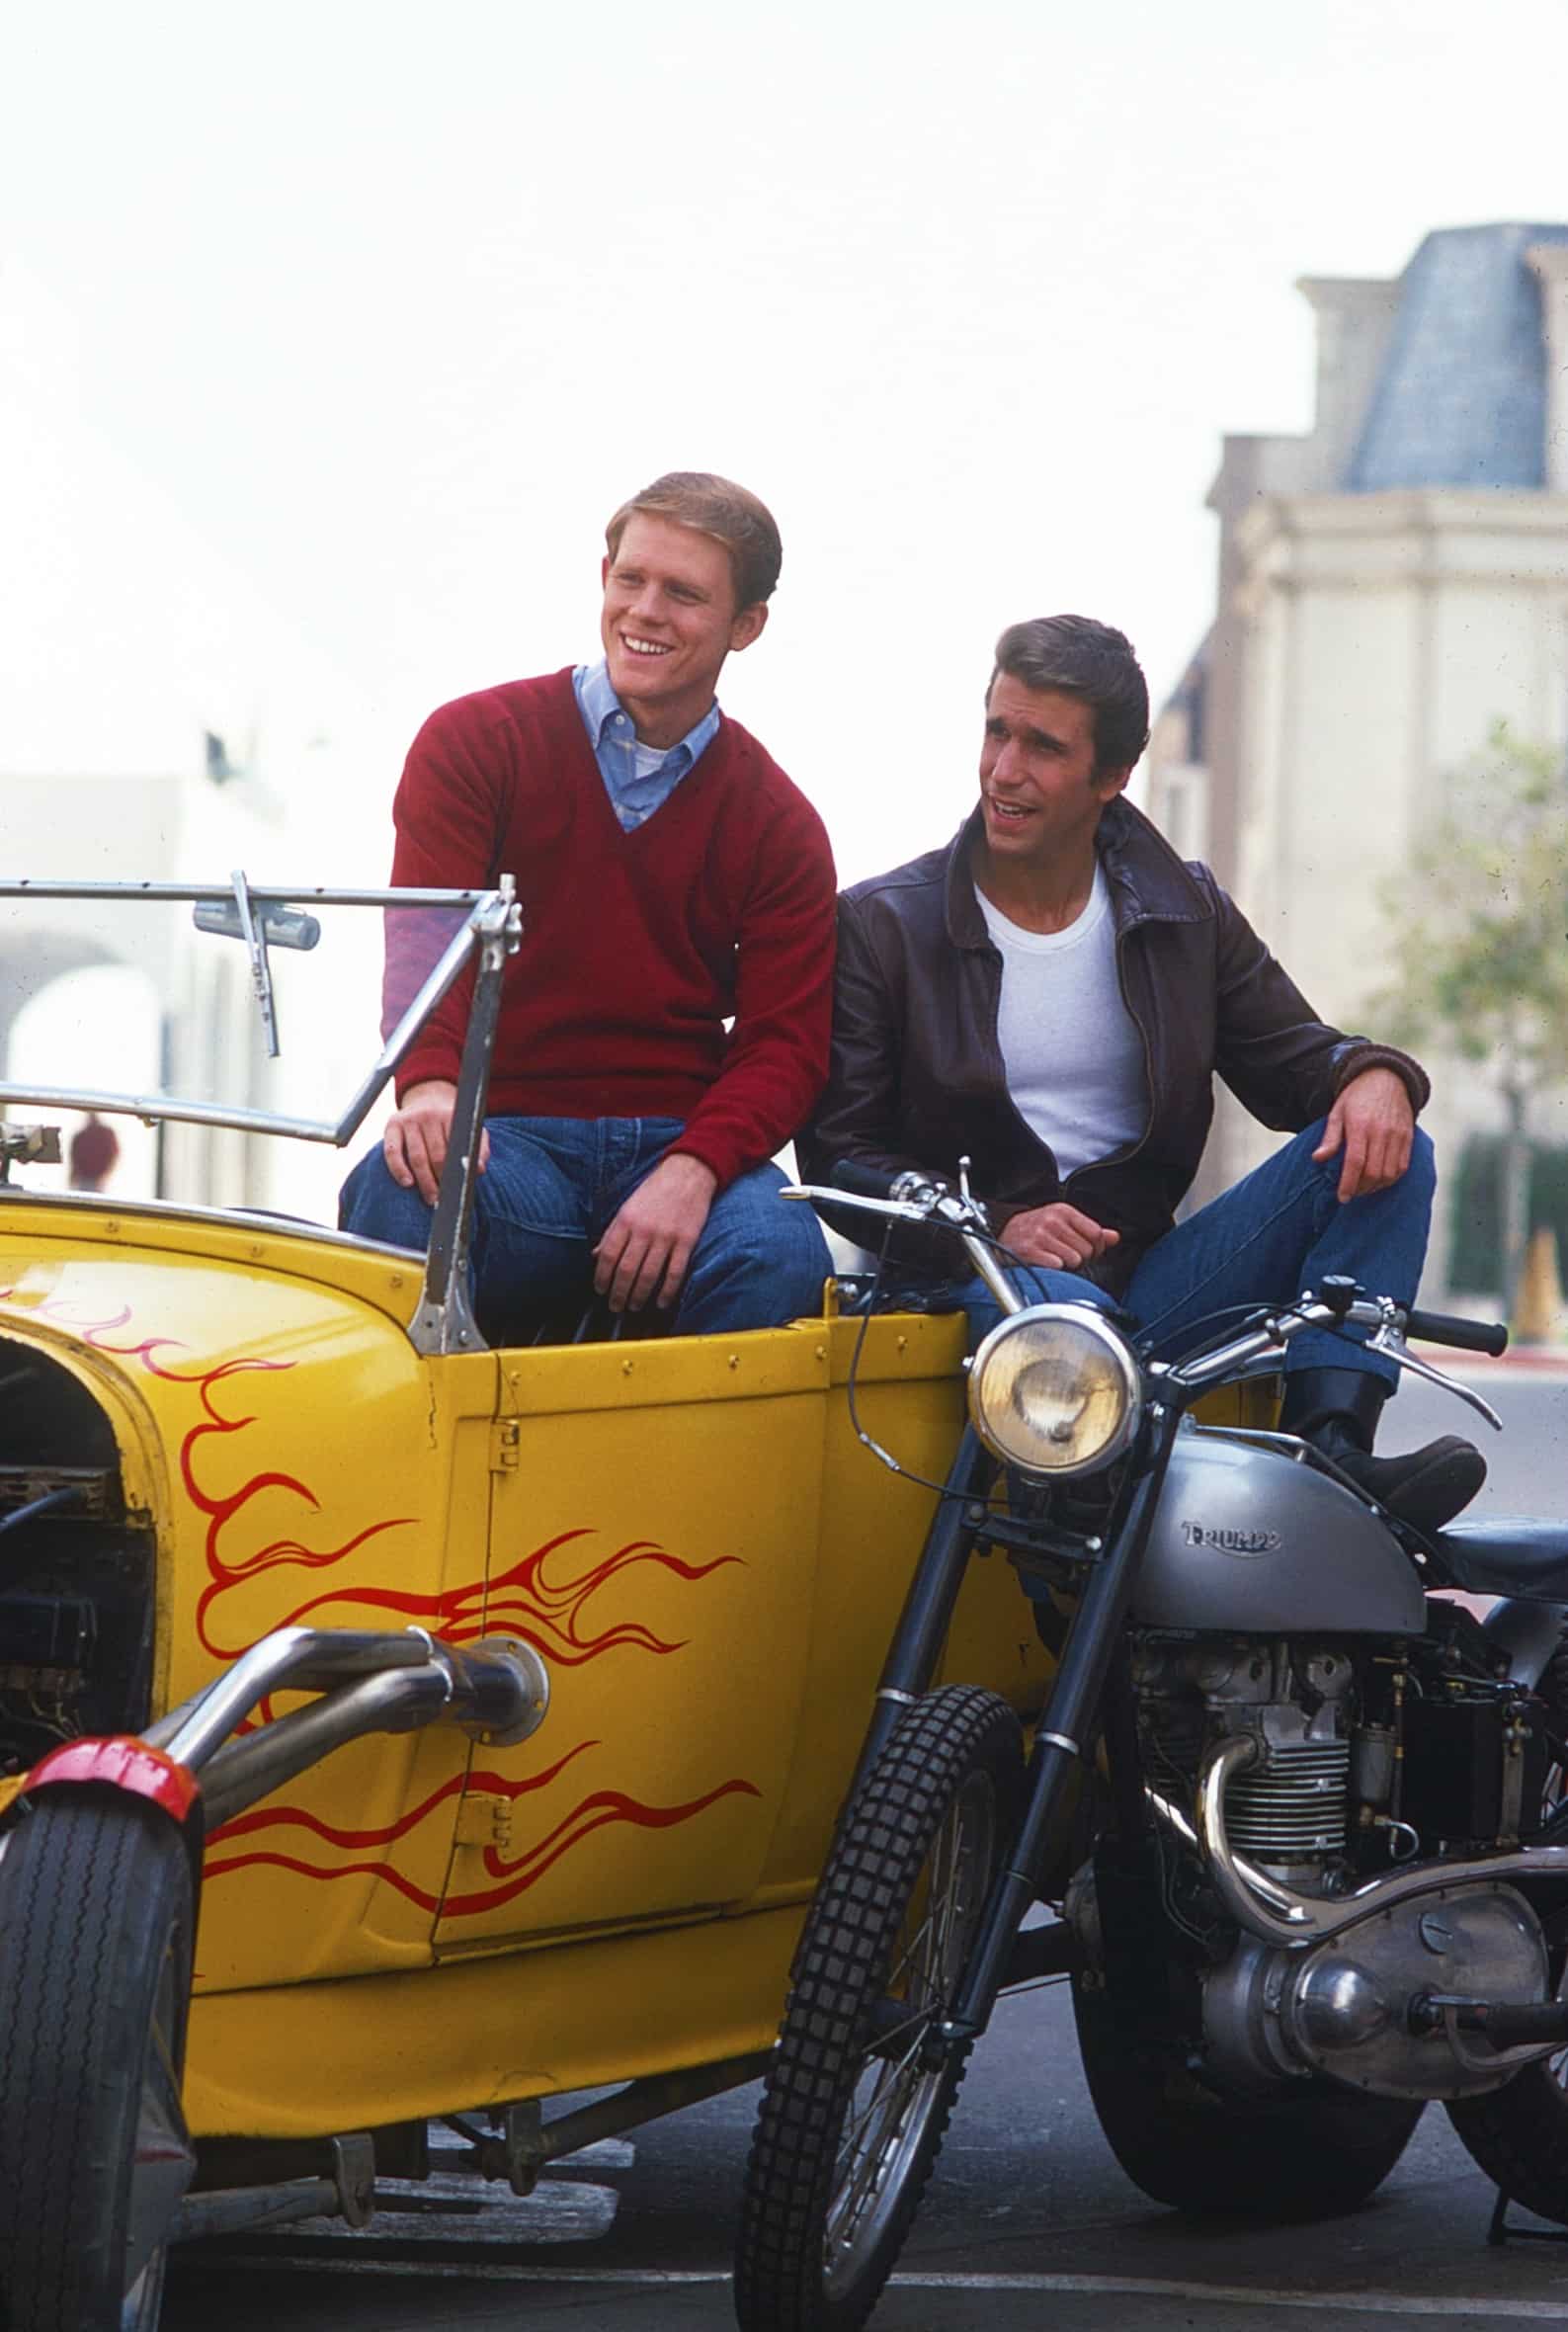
(415, 1141)
(648, 1245)
(1373, 1124)
(1057, 1235)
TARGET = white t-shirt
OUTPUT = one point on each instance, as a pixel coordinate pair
(1072, 1053)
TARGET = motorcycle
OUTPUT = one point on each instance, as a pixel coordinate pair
(1300, 1814)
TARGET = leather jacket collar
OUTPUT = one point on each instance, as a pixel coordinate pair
(1148, 881)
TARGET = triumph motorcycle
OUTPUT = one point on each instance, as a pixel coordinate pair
(1300, 1814)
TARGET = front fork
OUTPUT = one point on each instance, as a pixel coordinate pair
(923, 1624)
(1066, 1733)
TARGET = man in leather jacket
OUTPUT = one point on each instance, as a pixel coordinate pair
(1051, 995)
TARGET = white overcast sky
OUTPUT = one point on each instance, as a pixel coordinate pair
(392, 303)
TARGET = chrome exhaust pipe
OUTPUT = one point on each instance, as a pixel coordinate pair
(240, 1772)
(297, 1659)
(497, 1691)
(1280, 1915)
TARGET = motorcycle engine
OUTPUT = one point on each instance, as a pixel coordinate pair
(1366, 1756)
(1291, 1807)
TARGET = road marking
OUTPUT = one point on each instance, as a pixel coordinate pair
(1338, 2304)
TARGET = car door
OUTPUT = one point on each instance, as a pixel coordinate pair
(654, 1534)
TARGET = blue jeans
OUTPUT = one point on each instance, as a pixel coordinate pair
(1278, 1230)
(549, 1191)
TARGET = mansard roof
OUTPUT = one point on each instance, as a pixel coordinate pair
(1461, 397)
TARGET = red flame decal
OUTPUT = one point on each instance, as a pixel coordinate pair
(517, 1875)
(532, 1599)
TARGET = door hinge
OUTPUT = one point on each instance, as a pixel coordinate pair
(504, 1438)
(484, 1821)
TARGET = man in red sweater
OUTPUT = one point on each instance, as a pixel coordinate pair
(664, 1026)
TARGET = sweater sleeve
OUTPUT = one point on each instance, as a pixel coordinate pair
(447, 817)
(777, 1055)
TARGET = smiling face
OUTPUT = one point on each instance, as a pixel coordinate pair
(1041, 794)
(668, 620)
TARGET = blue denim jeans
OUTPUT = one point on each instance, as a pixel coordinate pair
(549, 1191)
(1278, 1230)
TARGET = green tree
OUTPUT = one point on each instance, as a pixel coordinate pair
(1480, 945)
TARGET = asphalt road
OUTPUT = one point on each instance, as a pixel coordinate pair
(1527, 1462)
(1030, 2222)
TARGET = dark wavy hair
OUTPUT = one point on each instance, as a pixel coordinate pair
(1083, 658)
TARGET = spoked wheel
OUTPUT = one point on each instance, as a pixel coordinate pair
(96, 1937)
(854, 2108)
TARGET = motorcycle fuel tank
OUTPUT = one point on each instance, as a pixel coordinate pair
(1251, 1541)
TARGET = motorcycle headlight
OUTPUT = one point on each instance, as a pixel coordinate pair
(1054, 1391)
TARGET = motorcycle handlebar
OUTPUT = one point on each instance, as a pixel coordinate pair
(1488, 1336)
(862, 1182)
(882, 1189)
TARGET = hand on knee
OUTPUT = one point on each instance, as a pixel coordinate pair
(1372, 1128)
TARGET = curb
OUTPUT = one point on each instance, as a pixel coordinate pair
(1535, 1358)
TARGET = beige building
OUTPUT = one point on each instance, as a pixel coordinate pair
(1390, 585)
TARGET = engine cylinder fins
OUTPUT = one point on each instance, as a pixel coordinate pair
(1294, 1808)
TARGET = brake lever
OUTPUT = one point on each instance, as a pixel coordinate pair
(1387, 1338)
(1392, 1345)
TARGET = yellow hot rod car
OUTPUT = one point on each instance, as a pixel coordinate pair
(395, 1727)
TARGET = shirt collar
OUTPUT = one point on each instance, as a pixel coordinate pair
(603, 712)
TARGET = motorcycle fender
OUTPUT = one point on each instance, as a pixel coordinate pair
(1248, 1541)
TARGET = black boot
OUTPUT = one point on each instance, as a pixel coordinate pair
(1337, 1411)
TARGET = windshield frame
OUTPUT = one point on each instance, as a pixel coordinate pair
(486, 913)
(490, 931)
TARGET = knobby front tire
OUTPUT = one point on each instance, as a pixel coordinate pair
(96, 1934)
(853, 2113)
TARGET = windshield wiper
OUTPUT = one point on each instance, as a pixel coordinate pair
(283, 927)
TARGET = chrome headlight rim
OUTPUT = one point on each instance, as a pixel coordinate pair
(1084, 1319)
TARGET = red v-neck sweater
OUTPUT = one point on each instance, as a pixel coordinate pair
(636, 948)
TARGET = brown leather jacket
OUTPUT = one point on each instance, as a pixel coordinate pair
(917, 1076)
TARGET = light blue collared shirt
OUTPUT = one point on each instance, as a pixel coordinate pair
(636, 778)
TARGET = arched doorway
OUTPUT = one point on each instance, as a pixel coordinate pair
(90, 1025)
